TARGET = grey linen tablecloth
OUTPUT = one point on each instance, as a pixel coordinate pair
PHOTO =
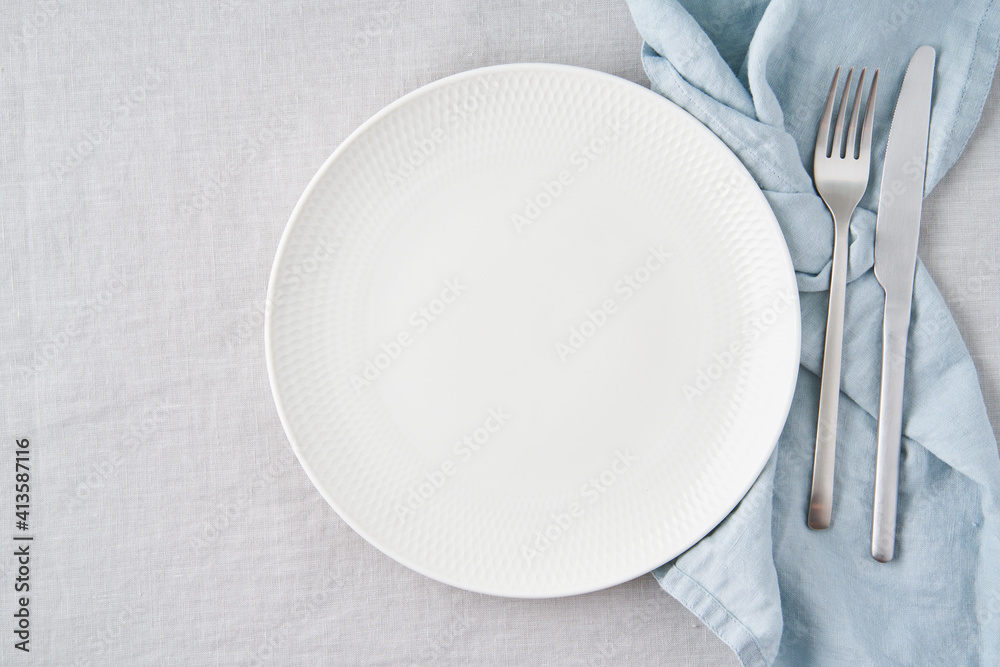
(149, 158)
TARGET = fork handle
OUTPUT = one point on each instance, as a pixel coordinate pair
(821, 497)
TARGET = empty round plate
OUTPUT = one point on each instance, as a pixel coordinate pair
(532, 330)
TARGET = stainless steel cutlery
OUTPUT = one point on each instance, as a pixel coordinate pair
(840, 173)
(897, 228)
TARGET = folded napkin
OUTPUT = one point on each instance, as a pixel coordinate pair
(757, 73)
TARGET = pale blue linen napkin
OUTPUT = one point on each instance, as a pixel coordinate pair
(757, 74)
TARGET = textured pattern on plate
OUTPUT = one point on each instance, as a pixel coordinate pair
(532, 330)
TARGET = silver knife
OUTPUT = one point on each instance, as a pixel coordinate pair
(897, 228)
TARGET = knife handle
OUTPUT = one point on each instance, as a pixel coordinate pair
(895, 327)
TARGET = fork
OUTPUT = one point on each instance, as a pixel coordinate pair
(840, 173)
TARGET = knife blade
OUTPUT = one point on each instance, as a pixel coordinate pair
(897, 229)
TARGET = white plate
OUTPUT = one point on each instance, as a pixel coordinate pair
(532, 330)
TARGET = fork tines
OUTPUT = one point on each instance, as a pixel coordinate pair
(857, 147)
